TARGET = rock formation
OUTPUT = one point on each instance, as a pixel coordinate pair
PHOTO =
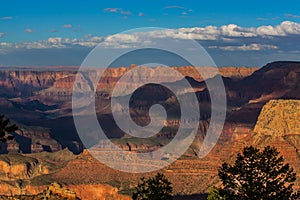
(57, 189)
(279, 118)
(27, 81)
(13, 167)
(277, 125)
(49, 105)
(30, 139)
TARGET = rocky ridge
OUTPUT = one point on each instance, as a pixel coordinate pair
(60, 82)
(279, 118)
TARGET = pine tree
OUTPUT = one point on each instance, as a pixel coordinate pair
(5, 129)
(256, 174)
(156, 188)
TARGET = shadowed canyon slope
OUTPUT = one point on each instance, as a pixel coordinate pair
(42, 96)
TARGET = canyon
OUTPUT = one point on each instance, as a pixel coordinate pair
(41, 97)
(92, 178)
(262, 109)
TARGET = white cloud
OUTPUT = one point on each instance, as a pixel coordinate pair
(96, 39)
(118, 10)
(289, 27)
(183, 10)
(122, 37)
(227, 37)
(67, 26)
(261, 19)
(285, 28)
(205, 33)
(250, 47)
(175, 7)
(6, 18)
(233, 30)
(141, 14)
(122, 41)
(292, 16)
(197, 33)
(112, 10)
(2, 34)
(57, 42)
(5, 44)
(226, 34)
(54, 42)
(125, 12)
(28, 30)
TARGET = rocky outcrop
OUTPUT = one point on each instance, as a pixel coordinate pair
(97, 191)
(14, 167)
(57, 191)
(30, 139)
(232, 72)
(279, 118)
(26, 82)
(20, 168)
(236, 131)
(54, 192)
(237, 72)
(278, 126)
(33, 78)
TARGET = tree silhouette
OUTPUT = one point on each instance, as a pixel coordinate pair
(156, 188)
(5, 129)
(256, 174)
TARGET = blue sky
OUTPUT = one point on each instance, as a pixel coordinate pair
(33, 21)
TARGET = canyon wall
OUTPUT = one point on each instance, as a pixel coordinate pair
(279, 118)
(60, 82)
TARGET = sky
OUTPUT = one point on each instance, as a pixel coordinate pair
(250, 33)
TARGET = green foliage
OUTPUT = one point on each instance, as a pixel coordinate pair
(5, 129)
(256, 174)
(214, 194)
(156, 188)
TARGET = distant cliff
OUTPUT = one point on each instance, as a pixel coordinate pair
(21, 82)
(30, 140)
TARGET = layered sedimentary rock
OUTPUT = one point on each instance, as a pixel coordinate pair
(14, 167)
(31, 78)
(91, 176)
(278, 125)
(56, 191)
(26, 81)
(31, 140)
(279, 118)
(20, 175)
